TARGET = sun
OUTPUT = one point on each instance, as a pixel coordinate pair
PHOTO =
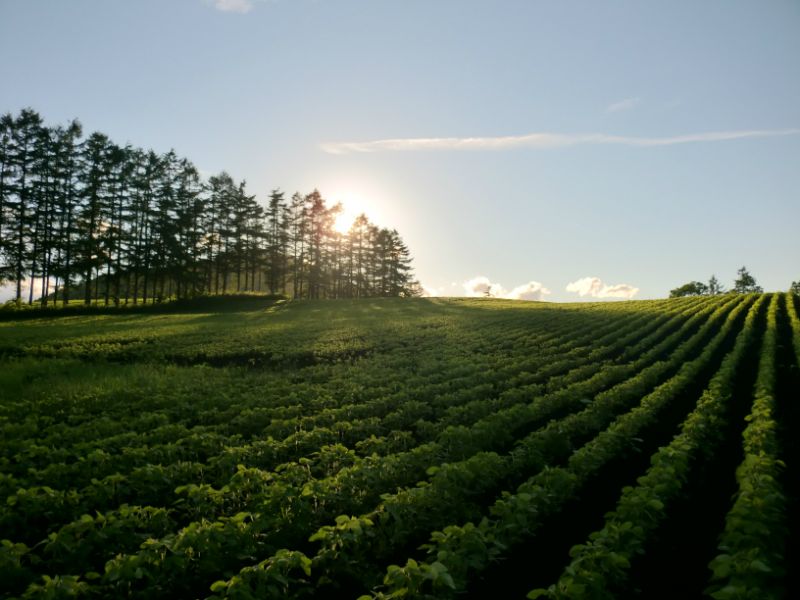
(344, 221)
(352, 206)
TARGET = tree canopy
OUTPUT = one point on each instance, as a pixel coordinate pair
(693, 288)
(745, 283)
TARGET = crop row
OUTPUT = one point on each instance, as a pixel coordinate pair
(352, 547)
(154, 428)
(458, 553)
(286, 504)
(750, 559)
(104, 490)
(600, 568)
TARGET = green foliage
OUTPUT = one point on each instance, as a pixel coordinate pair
(58, 587)
(745, 283)
(393, 448)
(714, 286)
(600, 568)
(750, 563)
(697, 288)
(693, 288)
(271, 578)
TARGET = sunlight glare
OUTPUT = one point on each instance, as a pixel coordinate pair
(344, 221)
(352, 206)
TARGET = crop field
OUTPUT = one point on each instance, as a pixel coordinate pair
(404, 448)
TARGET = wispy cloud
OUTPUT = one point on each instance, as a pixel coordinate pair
(595, 288)
(544, 140)
(238, 6)
(481, 286)
(626, 104)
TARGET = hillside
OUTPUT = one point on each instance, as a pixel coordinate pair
(275, 449)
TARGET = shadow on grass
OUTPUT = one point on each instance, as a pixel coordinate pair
(206, 304)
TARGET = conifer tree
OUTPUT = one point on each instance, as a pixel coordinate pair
(25, 136)
(6, 175)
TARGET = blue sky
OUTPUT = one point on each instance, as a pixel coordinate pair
(300, 94)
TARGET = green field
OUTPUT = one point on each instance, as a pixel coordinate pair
(403, 448)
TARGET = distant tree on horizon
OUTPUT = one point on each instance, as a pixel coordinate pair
(693, 288)
(714, 286)
(746, 283)
(795, 287)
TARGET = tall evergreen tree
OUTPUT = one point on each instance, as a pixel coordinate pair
(25, 138)
(6, 189)
(277, 237)
(95, 180)
(299, 226)
(189, 207)
(68, 204)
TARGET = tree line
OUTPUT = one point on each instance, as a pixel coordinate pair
(89, 220)
(744, 283)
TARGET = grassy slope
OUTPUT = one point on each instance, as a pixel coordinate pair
(262, 333)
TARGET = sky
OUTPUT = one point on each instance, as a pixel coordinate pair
(540, 150)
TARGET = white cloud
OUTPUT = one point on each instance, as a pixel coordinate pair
(543, 140)
(481, 286)
(626, 104)
(428, 292)
(478, 286)
(595, 288)
(239, 6)
(533, 290)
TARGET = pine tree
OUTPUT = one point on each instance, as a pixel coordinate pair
(68, 202)
(190, 218)
(146, 166)
(316, 211)
(6, 190)
(95, 176)
(212, 242)
(276, 239)
(25, 136)
(359, 237)
(299, 225)
(399, 272)
(48, 207)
